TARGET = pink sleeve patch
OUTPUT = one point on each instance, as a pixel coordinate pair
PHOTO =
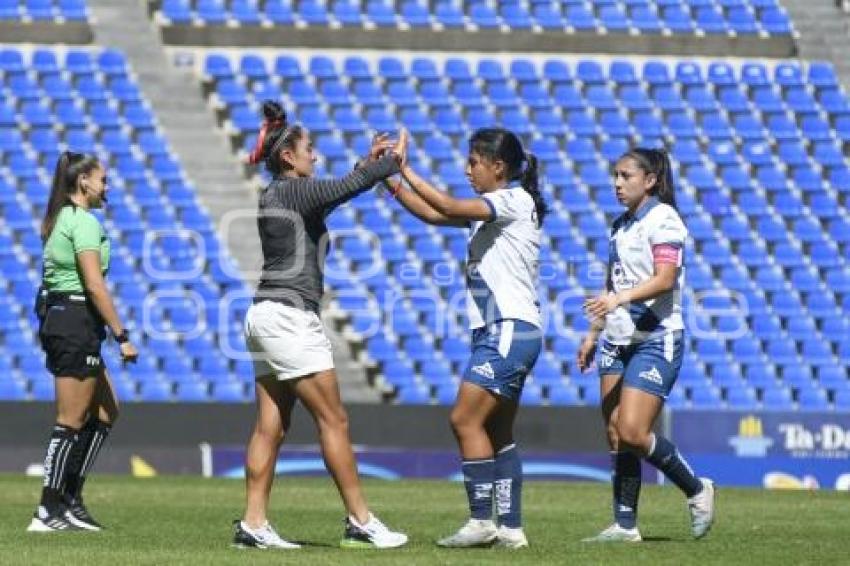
(665, 253)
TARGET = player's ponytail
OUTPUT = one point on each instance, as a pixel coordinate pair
(501, 144)
(69, 167)
(656, 162)
(275, 135)
(529, 180)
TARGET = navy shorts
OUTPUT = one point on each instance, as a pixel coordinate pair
(503, 354)
(651, 366)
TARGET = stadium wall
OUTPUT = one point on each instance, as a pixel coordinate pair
(482, 40)
(209, 439)
(73, 33)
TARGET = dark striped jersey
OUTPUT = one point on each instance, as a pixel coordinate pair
(291, 222)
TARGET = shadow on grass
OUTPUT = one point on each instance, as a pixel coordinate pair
(657, 539)
(312, 544)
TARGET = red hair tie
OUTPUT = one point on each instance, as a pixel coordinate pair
(256, 154)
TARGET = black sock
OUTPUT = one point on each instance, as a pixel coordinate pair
(91, 439)
(59, 449)
(626, 483)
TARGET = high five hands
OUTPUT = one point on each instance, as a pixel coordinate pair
(382, 143)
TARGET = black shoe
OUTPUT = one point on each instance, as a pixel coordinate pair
(46, 522)
(77, 514)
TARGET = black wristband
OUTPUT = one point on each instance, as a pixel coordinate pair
(122, 338)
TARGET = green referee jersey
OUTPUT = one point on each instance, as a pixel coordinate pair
(76, 230)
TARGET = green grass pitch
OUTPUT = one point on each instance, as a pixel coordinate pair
(181, 520)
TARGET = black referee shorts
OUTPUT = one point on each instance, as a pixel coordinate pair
(71, 332)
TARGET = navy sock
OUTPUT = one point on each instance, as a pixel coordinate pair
(664, 456)
(509, 487)
(59, 448)
(626, 486)
(478, 479)
(90, 441)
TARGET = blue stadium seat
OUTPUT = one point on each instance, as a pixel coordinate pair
(229, 392)
(742, 399)
(775, 21)
(413, 395)
(449, 15)
(812, 399)
(516, 16)
(416, 14)
(778, 398)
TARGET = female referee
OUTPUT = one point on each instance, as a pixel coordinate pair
(504, 316)
(292, 355)
(640, 318)
(72, 307)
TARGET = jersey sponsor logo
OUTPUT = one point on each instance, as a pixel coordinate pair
(652, 375)
(484, 370)
(620, 278)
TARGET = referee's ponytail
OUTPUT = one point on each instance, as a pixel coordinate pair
(69, 167)
(657, 162)
(501, 144)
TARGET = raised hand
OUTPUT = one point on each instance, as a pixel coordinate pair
(380, 144)
(400, 147)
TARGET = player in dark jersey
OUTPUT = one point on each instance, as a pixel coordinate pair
(292, 356)
(72, 306)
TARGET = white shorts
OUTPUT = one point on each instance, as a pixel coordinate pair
(286, 342)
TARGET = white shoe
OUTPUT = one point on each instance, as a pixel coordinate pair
(511, 538)
(44, 522)
(616, 533)
(262, 538)
(476, 532)
(372, 534)
(701, 507)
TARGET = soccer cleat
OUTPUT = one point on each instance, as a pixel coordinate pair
(262, 538)
(77, 514)
(372, 534)
(616, 533)
(45, 522)
(511, 538)
(701, 507)
(476, 532)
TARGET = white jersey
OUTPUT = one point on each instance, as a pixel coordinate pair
(631, 262)
(502, 266)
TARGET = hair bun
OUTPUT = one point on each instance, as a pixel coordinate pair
(273, 112)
